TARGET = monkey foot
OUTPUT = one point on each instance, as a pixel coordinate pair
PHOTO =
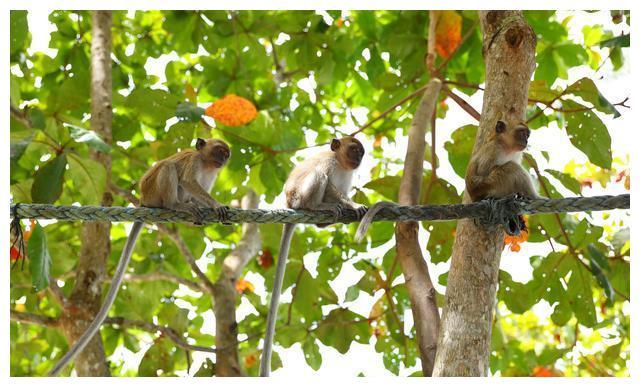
(361, 211)
(223, 214)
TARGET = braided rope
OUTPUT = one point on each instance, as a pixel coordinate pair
(491, 211)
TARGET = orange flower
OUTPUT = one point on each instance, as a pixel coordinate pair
(244, 285)
(514, 241)
(232, 110)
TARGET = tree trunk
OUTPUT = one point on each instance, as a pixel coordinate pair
(414, 268)
(465, 336)
(85, 298)
(225, 295)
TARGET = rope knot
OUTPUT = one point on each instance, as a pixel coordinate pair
(506, 212)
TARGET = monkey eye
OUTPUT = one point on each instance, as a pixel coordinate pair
(500, 127)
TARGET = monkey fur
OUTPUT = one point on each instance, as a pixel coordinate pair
(180, 182)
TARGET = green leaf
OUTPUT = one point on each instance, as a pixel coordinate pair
(386, 186)
(311, 352)
(187, 111)
(586, 89)
(459, 149)
(587, 133)
(341, 327)
(47, 184)
(14, 91)
(598, 263)
(567, 180)
(89, 136)
(623, 40)
(39, 258)
(153, 107)
(89, 179)
(19, 31)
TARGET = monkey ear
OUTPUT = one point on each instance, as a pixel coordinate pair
(335, 144)
(500, 126)
(200, 143)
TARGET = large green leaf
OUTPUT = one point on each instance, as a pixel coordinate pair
(19, 31)
(586, 89)
(459, 149)
(39, 258)
(589, 134)
(47, 183)
(152, 106)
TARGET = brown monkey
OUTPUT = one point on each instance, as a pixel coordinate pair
(180, 182)
(322, 182)
(495, 170)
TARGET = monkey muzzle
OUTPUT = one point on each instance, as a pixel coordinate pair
(521, 136)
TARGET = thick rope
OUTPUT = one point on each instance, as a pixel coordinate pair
(490, 211)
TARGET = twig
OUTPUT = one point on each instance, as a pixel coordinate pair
(35, 319)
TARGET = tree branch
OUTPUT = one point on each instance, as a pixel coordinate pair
(152, 328)
(34, 319)
(225, 294)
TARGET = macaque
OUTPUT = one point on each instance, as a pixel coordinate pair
(180, 182)
(495, 171)
(322, 182)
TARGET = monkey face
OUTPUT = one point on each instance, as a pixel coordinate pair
(515, 139)
(215, 151)
(349, 151)
(521, 136)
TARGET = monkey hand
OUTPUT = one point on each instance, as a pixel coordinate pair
(223, 214)
(361, 211)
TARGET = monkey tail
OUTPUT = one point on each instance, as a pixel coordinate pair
(368, 218)
(285, 243)
(79, 345)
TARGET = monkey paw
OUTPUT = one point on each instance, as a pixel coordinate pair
(361, 211)
(223, 214)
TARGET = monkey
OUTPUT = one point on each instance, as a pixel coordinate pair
(494, 170)
(180, 182)
(321, 182)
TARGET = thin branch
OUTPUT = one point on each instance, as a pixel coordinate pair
(462, 103)
(34, 319)
(152, 328)
(416, 93)
(173, 234)
(57, 293)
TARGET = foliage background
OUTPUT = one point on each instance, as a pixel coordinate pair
(313, 76)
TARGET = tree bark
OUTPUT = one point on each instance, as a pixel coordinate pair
(465, 337)
(225, 295)
(414, 268)
(86, 295)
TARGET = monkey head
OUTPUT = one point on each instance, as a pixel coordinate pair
(513, 139)
(213, 151)
(349, 151)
